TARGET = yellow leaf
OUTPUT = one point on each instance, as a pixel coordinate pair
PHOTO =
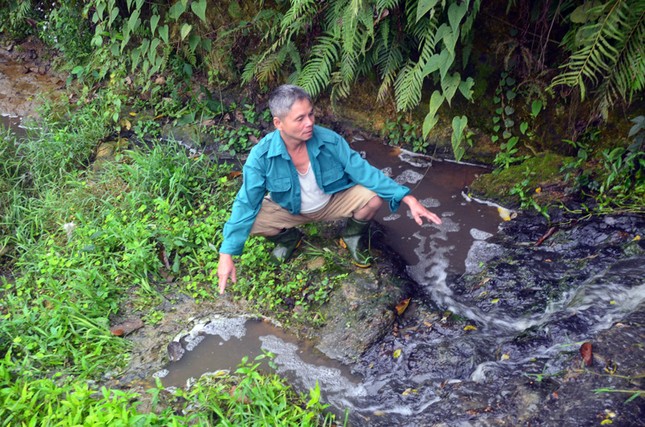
(400, 307)
(505, 356)
(606, 422)
(470, 328)
(538, 190)
(612, 302)
(494, 301)
(397, 353)
(133, 114)
(637, 238)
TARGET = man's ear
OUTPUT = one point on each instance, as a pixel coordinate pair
(277, 123)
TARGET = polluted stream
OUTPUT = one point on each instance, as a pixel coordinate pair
(481, 341)
(494, 333)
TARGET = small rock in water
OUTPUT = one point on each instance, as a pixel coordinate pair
(175, 351)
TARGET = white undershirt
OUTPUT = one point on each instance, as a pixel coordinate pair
(311, 196)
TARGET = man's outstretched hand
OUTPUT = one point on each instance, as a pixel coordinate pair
(418, 211)
(225, 270)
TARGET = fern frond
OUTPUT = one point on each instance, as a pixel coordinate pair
(407, 87)
(628, 77)
(316, 74)
(596, 58)
(300, 11)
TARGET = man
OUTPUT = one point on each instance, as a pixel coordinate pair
(310, 175)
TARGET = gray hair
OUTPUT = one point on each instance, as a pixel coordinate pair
(283, 97)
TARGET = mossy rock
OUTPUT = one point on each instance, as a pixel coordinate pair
(540, 177)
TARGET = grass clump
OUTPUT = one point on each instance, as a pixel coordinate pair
(79, 241)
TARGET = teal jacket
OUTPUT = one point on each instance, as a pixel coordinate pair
(269, 169)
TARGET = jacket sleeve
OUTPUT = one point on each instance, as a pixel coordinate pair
(246, 206)
(361, 172)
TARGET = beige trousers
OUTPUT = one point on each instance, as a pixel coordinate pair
(273, 218)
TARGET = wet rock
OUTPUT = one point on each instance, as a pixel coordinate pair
(359, 315)
(175, 351)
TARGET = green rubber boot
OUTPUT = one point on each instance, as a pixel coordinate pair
(285, 243)
(352, 240)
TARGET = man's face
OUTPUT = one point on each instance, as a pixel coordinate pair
(298, 125)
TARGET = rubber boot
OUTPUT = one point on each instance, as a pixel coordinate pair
(352, 240)
(285, 243)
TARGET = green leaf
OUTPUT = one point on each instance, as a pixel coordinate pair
(510, 94)
(185, 30)
(458, 126)
(134, 21)
(154, 21)
(466, 88)
(163, 33)
(199, 9)
(176, 10)
(449, 86)
(536, 107)
(424, 6)
(494, 138)
(524, 127)
(496, 119)
(509, 110)
(432, 65)
(234, 10)
(193, 41)
(455, 14)
(431, 118)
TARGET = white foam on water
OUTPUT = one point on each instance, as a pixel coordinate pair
(331, 380)
(225, 327)
(477, 234)
(409, 176)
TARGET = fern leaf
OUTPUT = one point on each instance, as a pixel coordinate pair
(595, 60)
(316, 74)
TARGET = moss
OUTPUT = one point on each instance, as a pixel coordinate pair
(540, 172)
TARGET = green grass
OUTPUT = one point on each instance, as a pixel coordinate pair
(79, 242)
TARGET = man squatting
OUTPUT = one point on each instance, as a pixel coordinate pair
(310, 174)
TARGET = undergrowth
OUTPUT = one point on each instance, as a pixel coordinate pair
(78, 239)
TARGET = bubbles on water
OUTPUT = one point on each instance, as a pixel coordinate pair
(331, 380)
(387, 171)
(408, 176)
(227, 328)
(392, 217)
(480, 234)
(430, 202)
(161, 374)
(193, 342)
(479, 254)
(224, 327)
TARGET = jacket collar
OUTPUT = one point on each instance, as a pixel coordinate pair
(278, 148)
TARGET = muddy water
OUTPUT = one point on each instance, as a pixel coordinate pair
(439, 186)
(497, 323)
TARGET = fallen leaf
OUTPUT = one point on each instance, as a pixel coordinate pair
(427, 324)
(538, 190)
(397, 353)
(555, 394)
(494, 301)
(637, 238)
(587, 353)
(505, 356)
(408, 391)
(470, 328)
(234, 174)
(132, 113)
(400, 307)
